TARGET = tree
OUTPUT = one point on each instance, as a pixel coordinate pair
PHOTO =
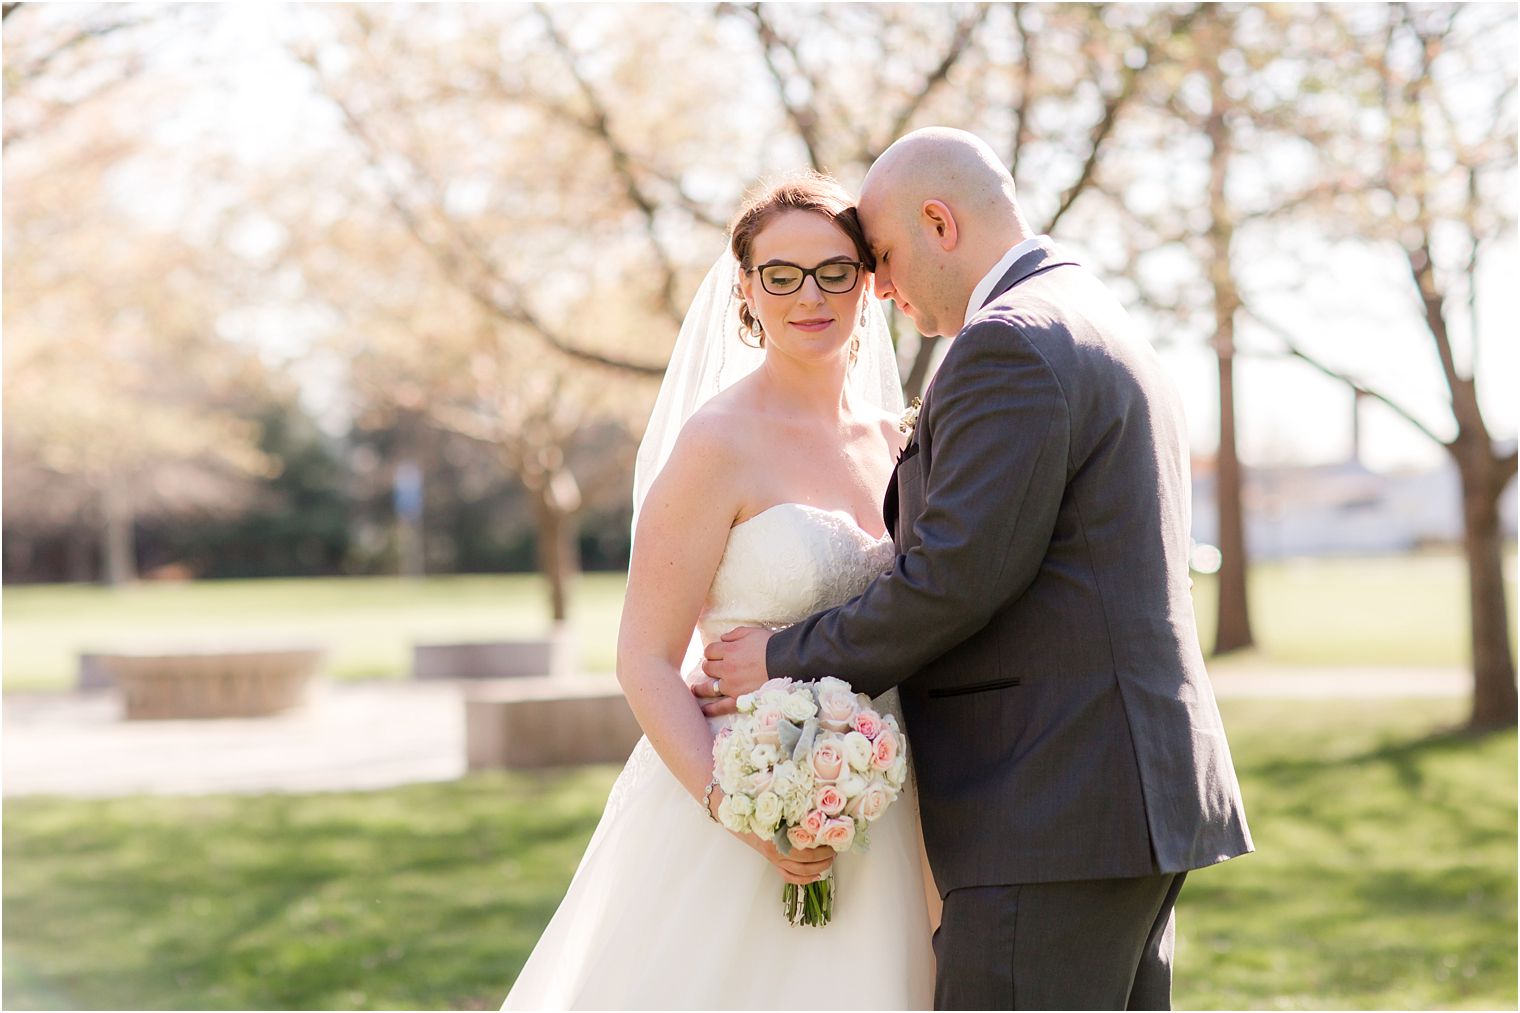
(1238, 92)
(1430, 176)
(540, 292)
(120, 397)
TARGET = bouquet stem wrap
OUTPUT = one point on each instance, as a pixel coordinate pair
(811, 903)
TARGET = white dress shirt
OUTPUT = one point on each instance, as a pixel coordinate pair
(984, 287)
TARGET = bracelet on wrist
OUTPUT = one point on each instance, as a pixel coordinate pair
(707, 801)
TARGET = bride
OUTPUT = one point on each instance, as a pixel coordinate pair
(757, 501)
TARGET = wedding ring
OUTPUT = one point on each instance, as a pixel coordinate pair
(717, 688)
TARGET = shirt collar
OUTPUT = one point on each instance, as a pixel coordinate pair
(984, 287)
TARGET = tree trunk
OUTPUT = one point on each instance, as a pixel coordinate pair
(918, 376)
(1234, 629)
(555, 503)
(118, 547)
(1493, 661)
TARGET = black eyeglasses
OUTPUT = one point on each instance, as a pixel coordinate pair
(836, 277)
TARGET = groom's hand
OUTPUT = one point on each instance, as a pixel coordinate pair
(732, 666)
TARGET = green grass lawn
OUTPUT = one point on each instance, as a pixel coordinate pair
(1385, 877)
(369, 623)
(1409, 610)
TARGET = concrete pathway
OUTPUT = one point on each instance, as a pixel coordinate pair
(349, 736)
(365, 735)
(1250, 680)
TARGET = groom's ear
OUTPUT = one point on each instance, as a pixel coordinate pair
(937, 220)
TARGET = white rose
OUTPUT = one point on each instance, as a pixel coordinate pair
(851, 784)
(745, 704)
(768, 809)
(743, 805)
(829, 684)
(798, 706)
(729, 818)
(763, 755)
(857, 751)
(898, 772)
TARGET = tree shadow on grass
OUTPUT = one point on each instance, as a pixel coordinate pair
(1406, 757)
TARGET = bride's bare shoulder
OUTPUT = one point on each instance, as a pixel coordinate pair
(714, 450)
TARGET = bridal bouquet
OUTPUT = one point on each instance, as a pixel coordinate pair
(808, 764)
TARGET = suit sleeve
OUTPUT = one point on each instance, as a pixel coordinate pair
(1000, 431)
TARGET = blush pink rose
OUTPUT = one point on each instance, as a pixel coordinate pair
(884, 749)
(829, 800)
(813, 823)
(800, 838)
(869, 804)
(867, 722)
(760, 781)
(836, 705)
(838, 834)
(828, 760)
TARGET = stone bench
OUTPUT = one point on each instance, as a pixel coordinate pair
(547, 722)
(205, 683)
(497, 659)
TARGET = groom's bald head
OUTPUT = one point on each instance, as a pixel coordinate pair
(952, 165)
(939, 203)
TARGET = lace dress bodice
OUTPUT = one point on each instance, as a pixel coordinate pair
(787, 562)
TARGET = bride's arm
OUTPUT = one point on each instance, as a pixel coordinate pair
(682, 530)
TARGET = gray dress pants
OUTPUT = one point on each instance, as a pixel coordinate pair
(1101, 944)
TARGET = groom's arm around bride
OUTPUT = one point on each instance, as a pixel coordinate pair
(1070, 758)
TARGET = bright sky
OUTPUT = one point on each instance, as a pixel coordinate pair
(1354, 305)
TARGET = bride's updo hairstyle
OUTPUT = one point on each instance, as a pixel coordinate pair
(810, 191)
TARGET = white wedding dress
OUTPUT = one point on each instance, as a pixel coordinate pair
(670, 911)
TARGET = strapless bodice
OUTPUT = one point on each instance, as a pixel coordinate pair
(787, 562)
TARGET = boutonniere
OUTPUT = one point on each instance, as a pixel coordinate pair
(910, 417)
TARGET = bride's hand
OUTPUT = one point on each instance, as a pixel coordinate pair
(802, 866)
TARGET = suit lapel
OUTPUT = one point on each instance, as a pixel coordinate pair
(1037, 261)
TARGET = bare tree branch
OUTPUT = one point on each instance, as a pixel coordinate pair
(541, 100)
(1294, 350)
(622, 165)
(1021, 132)
(960, 39)
(804, 117)
(487, 286)
(1111, 109)
(18, 78)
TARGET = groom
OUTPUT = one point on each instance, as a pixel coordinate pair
(1070, 759)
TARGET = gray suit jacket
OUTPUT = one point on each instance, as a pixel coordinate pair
(1037, 617)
